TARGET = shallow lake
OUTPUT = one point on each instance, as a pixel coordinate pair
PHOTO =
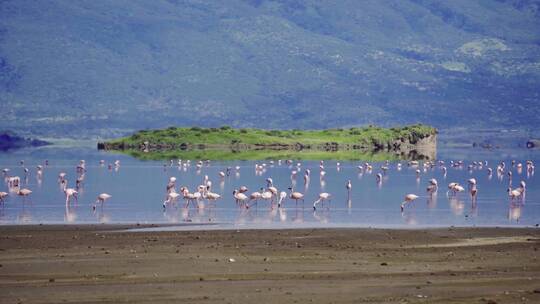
(138, 191)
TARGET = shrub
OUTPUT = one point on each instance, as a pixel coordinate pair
(273, 133)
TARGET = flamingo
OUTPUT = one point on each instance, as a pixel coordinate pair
(306, 179)
(211, 196)
(282, 196)
(61, 177)
(433, 186)
(457, 189)
(190, 197)
(101, 199)
(2, 196)
(239, 197)
(268, 196)
(296, 195)
(522, 186)
(70, 192)
(255, 196)
(293, 174)
(170, 187)
(408, 199)
(79, 181)
(349, 187)
(270, 186)
(243, 189)
(322, 197)
(13, 182)
(473, 191)
(171, 197)
(24, 193)
(452, 187)
(514, 194)
(472, 187)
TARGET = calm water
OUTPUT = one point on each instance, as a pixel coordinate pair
(138, 190)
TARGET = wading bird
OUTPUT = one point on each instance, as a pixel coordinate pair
(408, 199)
(101, 199)
(324, 196)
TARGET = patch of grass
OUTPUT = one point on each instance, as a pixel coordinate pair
(226, 143)
(371, 136)
(213, 154)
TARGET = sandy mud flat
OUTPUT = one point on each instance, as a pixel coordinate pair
(90, 264)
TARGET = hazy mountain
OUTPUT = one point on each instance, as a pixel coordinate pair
(101, 68)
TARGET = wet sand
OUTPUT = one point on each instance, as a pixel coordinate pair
(88, 264)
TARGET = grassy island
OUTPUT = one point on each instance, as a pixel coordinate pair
(230, 143)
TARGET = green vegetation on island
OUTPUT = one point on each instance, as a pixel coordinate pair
(228, 143)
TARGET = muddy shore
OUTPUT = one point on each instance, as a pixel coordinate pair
(90, 264)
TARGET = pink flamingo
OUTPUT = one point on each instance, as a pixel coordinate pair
(408, 199)
(324, 196)
(101, 199)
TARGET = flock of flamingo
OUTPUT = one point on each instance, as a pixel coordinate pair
(268, 193)
(14, 183)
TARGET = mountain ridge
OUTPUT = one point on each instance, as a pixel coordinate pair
(105, 69)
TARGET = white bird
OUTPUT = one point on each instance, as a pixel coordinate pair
(13, 181)
(514, 193)
(267, 196)
(433, 186)
(324, 196)
(239, 197)
(211, 196)
(454, 188)
(24, 193)
(101, 199)
(296, 195)
(270, 186)
(255, 196)
(70, 193)
(282, 196)
(2, 196)
(408, 198)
